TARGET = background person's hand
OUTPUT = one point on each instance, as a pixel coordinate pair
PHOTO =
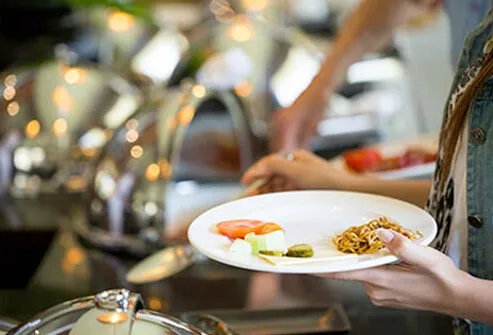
(425, 280)
(294, 127)
(306, 171)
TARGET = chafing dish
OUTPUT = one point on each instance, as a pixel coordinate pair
(54, 118)
(114, 311)
(168, 139)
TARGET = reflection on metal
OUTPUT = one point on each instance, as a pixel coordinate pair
(127, 198)
(60, 111)
(115, 311)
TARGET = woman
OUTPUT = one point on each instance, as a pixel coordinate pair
(460, 197)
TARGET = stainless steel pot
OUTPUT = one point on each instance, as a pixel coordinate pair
(109, 312)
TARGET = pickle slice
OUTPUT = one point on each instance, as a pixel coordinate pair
(303, 250)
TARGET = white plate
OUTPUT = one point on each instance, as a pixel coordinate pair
(308, 217)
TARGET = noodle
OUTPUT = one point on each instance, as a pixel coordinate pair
(364, 239)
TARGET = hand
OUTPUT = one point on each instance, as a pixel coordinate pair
(306, 171)
(425, 280)
(294, 127)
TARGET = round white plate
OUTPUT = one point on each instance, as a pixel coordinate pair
(308, 217)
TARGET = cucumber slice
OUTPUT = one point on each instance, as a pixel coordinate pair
(271, 253)
(271, 241)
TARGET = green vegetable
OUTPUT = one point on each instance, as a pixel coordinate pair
(300, 250)
(271, 253)
(271, 241)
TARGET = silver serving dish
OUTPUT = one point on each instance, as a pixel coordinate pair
(54, 119)
(118, 312)
(169, 138)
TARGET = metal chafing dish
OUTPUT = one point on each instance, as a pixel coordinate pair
(109, 312)
(170, 138)
(54, 118)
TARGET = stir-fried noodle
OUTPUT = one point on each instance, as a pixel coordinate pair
(364, 239)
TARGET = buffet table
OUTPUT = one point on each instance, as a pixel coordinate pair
(69, 271)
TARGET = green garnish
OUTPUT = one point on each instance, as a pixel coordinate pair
(303, 250)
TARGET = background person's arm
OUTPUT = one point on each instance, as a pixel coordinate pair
(367, 29)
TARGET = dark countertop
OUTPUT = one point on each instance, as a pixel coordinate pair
(69, 271)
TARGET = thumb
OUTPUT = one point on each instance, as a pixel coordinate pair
(407, 251)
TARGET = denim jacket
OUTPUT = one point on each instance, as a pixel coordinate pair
(464, 16)
(479, 167)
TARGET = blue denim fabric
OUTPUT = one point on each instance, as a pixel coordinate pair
(464, 17)
(479, 168)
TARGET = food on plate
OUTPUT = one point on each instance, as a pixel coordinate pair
(364, 239)
(371, 160)
(303, 250)
(274, 253)
(240, 228)
(254, 237)
(270, 241)
(240, 246)
(363, 160)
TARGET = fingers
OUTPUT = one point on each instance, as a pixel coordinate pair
(409, 252)
(275, 165)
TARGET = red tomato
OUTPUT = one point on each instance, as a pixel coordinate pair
(239, 228)
(267, 228)
(363, 160)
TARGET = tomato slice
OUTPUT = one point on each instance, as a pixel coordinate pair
(240, 228)
(268, 227)
(363, 160)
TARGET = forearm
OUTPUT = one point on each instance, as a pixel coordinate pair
(367, 29)
(473, 300)
(413, 191)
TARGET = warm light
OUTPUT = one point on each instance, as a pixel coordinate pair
(32, 129)
(60, 127)
(136, 151)
(155, 303)
(89, 152)
(76, 183)
(73, 258)
(241, 30)
(75, 75)
(120, 22)
(9, 93)
(132, 124)
(10, 80)
(244, 89)
(198, 91)
(13, 108)
(132, 135)
(108, 134)
(254, 5)
(62, 99)
(113, 318)
(166, 168)
(186, 115)
(171, 124)
(152, 172)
